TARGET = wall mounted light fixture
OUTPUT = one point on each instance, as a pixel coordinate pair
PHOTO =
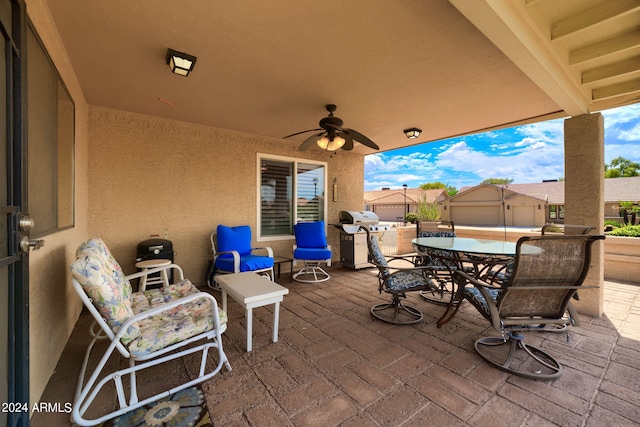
(412, 133)
(180, 63)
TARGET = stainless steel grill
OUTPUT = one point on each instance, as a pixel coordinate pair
(353, 243)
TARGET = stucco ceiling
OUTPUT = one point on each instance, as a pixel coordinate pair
(268, 67)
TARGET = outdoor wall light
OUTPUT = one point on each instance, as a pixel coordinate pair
(180, 63)
(412, 133)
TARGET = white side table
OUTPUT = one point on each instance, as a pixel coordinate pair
(252, 290)
(163, 279)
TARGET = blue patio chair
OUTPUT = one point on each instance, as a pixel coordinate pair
(311, 248)
(232, 253)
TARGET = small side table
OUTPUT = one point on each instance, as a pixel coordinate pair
(279, 260)
(163, 279)
(252, 290)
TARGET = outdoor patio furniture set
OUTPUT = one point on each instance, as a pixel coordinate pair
(517, 287)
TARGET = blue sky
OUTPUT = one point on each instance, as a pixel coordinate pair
(529, 153)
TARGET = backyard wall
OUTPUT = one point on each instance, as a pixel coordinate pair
(151, 176)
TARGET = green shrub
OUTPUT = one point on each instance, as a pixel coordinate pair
(427, 211)
(612, 222)
(411, 217)
(628, 231)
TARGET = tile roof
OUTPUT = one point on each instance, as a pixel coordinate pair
(615, 190)
(395, 196)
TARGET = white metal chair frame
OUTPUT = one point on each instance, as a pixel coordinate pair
(311, 268)
(87, 391)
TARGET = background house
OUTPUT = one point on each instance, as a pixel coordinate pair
(488, 204)
(529, 204)
(391, 205)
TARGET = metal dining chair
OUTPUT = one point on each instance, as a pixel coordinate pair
(547, 272)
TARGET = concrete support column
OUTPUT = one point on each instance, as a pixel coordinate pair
(584, 196)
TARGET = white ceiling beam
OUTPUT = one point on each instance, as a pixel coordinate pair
(630, 65)
(606, 47)
(616, 89)
(596, 15)
(512, 30)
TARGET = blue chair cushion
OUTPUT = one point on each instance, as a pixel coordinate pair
(312, 254)
(310, 235)
(475, 297)
(247, 263)
(234, 239)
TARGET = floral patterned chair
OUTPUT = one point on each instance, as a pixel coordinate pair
(547, 272)
(397, 281)
(146, 328)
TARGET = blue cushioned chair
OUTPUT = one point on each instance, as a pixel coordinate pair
(311, 248)
(234, 254)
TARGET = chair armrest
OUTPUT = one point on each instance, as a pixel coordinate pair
(462, 277)
(157, 270)
(395, 269)
(236, 259)
(168, 307)
(266, 248)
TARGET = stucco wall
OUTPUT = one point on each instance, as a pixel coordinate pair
(53, 305)
(179, 180)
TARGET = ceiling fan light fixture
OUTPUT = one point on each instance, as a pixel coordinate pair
(180, 63)
(335, 143)
(412, 133)
(323, 142)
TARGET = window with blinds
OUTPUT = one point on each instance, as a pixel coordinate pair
(291, 191)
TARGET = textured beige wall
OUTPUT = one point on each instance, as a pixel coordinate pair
(153, 176)
(54, 306)
(584, 196)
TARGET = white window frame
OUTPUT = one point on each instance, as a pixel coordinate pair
(295, 161)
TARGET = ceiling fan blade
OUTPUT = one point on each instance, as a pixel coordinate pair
(362, 139)
(348, 141)
(309, 141)
(300, 133)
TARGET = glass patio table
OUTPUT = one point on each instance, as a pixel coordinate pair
(484, 258)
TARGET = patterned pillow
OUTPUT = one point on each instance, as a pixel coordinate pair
(104, 282)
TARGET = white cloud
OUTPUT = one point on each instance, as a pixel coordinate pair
(529, 153)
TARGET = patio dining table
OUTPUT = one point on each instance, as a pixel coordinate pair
(488, 259)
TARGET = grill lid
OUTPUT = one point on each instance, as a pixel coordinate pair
(359, 217)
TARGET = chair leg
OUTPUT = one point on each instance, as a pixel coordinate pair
(311, 273)
(441, 294)
(401, 314)
(512, 355)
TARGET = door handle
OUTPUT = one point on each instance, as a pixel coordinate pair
(26, 244)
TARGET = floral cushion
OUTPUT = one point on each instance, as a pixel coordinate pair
(376, 255)
(169, 327)
(104, 282)
(402, 281)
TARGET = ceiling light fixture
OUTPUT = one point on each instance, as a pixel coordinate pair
(412, 133)
(180, 63)
(331, 144)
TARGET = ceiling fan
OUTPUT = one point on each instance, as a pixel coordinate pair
(333, 135)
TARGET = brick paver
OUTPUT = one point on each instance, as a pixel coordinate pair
(336, 365)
